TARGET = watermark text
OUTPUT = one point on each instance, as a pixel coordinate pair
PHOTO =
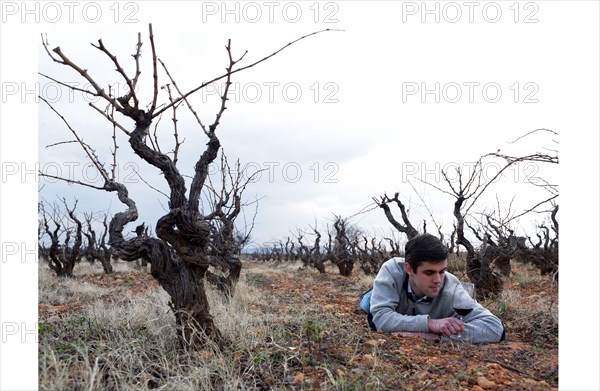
(269, 11)
(23, 172)
(290, 172)
(469, 92)
(455, 172)
(69, 11)
(272, 91)
(19, 252)
(469, 12)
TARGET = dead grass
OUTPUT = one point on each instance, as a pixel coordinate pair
(128, 342)
(529, 305)
(288, 328)
(53, 290)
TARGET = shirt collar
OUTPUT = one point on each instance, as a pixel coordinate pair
(413, 297)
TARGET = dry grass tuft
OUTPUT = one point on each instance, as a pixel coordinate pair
(528, 306)
(129, 342)
(287, 328)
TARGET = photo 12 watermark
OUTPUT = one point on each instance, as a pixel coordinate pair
(52, 172)
(249, 92)
(470, 12)
(274, 91)
(70, 11)
(288, 172)
(53, 92)
(455, 172)
(270, 12)
(469, 92)
(19, 252)
(22, 332)
(129, 172)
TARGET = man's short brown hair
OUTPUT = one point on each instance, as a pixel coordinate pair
(424, 248)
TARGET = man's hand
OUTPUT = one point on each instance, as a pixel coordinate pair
(446, 326)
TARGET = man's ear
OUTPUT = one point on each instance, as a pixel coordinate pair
(408, 269)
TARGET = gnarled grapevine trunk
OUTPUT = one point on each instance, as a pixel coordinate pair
(188, 242)
(488, 282)
(62, 258)
(181, 274)
(342, 257)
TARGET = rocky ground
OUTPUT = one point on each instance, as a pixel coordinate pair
(368, 359)
(318, 338)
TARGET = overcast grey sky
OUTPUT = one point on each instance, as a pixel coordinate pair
(334, 120)
(406, 89)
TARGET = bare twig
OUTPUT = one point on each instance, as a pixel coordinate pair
(534, 131)
(69, 86)
(149, 185)
(228, 74)
(154, 75)
(121, 71)
(73, 181)
(184, 99)
(86, 148)
(111, 118)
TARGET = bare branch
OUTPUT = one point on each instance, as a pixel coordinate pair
(86, 148)
(121, 71)
(184, 99)
(72, 181)
(533, 208)
(426, 207)
(115, 145)
(69, 86)
(149, 185)
(136, 56)
(532, 132)
(408, 228)
(110, 118)
(228, 74)
(84, 73)
(154, 74)
(61, 142)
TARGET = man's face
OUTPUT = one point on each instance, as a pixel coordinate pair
(428, 279)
